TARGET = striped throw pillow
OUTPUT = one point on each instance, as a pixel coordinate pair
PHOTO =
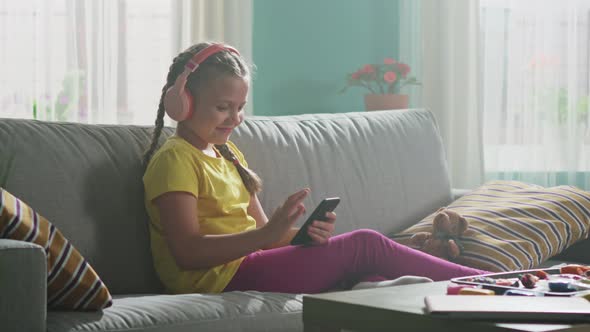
(72, 283)
(514, 225)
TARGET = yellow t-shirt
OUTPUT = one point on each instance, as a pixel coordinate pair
(222, 201)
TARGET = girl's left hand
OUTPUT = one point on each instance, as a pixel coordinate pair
(321, 230)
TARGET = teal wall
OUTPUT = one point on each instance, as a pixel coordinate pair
(303, 49)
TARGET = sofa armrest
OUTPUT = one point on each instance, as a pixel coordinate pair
(457, 193)
(23, 286)
(576, 253)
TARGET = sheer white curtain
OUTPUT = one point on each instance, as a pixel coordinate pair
(103, 61)
(410, 44)
(228, 21)
(441, 37)
(82, 60)
(536, 90)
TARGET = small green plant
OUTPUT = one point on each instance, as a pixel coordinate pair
(580, 107)
(556, 107)
(73, 91)
(60, 106)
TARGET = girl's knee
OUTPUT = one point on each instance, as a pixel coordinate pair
(368, 235)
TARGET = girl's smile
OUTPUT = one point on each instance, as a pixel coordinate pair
(226, 131)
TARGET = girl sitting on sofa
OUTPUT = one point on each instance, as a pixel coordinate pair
(208, 231)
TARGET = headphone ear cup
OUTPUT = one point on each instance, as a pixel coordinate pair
(190, 101)
(177, 100)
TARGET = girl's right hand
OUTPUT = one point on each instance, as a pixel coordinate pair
(287, 214)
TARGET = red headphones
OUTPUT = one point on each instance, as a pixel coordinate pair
(178, 101)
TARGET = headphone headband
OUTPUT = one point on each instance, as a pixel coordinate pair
(208, 51)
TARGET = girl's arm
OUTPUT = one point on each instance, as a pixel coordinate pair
(191, 250)
(256, 211)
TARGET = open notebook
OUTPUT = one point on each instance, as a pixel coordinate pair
(509, 308)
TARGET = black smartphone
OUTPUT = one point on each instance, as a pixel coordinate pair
(326, 205)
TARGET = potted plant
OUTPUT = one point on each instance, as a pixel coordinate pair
(384, 82)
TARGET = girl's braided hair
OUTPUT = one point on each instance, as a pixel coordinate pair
(221, 63)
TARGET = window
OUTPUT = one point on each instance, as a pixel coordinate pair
(86, 61)
(536, 75)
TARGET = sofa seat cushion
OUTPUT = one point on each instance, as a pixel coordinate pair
(231, 311)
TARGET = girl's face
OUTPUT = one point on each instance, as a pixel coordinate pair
(218, 110)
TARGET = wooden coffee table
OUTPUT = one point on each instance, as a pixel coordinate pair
(398, 308)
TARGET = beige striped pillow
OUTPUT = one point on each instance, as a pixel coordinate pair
(71, 282)
(514, 225)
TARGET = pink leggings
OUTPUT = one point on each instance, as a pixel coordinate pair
(362, 255)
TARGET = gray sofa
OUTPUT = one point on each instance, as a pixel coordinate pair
(388, 167)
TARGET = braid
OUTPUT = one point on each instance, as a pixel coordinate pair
(175, 69)
(252, 182)
(156, 133)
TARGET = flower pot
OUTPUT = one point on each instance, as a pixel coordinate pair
(376, 102)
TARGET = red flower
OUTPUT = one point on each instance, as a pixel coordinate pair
(404, 69)
(387, 77)
(367, 69)
(390, 77)
(389, 61)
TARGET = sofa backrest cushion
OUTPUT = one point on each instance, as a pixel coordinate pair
(388, 167)
(86, 179)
